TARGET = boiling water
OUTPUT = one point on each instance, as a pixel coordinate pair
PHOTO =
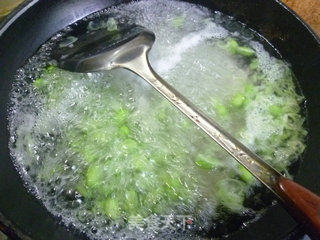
(110, 156)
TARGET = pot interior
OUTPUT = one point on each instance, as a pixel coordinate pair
(285, 32)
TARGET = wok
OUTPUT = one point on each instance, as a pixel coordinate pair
(24, 31)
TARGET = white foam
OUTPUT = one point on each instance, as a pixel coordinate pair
(190, 41)
(270, 66)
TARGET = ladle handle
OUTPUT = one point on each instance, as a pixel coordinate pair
(260, 169)
(295, 197)
(302, 204)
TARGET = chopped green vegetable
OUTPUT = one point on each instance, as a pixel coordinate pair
(232, 45)
(50, 68)
(121, 116)
(245, 51)
(206, 162)
(245, 175)
(231, 193)
(234, 48)
(221, 110)
(112, 25)
(39, 83)
(94, 176)
(249, 89)
(254, 64)
(178, 22)
(112, 209)
(238, 100)
(124, 130)
(276, 110)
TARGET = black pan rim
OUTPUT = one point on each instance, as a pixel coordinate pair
(27, 4)
(15, 14)
(23, 7)
(303, 22)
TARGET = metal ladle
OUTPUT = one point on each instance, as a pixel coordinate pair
(129, 48)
